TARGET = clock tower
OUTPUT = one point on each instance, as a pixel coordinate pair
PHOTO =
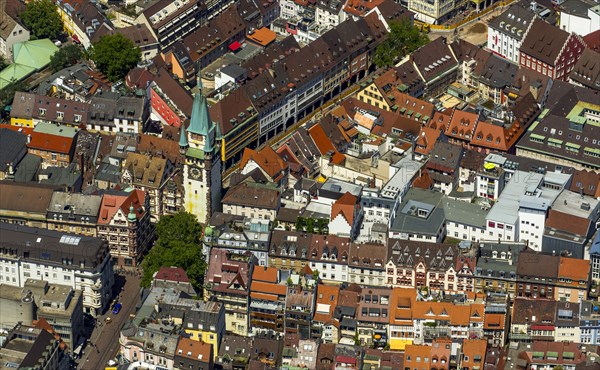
(200, 143)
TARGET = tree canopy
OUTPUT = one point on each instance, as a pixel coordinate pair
(41, 17)
(403, 39)
(67, 56)
(115, 55)
(178, 244)
(7, 92)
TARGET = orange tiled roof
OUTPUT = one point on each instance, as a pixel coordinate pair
(574, 269)
(462, 125)
(193, 349)
(321, 139)
(268, 288)
(267, 274)
(567, 222)
(262, 36)
(266, 158)
(426, 140)
(402, 301)
(440, 120)
(494, 321)
(50, 143)
(360, 7)
(346, 206)
(112, 203)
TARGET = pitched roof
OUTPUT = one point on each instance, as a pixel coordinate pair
(267, 159)
(172, 274)
(544, 41)
(34, 53)
(252, 196)
(567, 222)
(266, 274)
(111, 203)
(434, 59)
(574, 268)
(587, 69)
(346, 206)
(193, 349)
(426, 140)
(587, 182)
(174, 91)
(51, 143)
(462, 125)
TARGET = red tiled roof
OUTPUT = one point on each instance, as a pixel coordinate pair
(346, 206)
(263, 273)
(50, 143)
(267, 159)
(426, 140)
(172, 274)
(567, 222)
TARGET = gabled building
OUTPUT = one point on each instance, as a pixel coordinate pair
(366, 264)
(252, 200)
(567, 129)
(550, 50)
(273, 167)
(12, 29)
(346, 216)
(170, 21)
(586, 71)
(324, 326)
(267, 304)
(148, 174)
(124, 220)
(437, 65)
(506, 31)
(74, 212)
(228, 280)
(533, 320)
(83, 21)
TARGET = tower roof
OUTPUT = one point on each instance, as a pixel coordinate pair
(200, 121)
(183, 143)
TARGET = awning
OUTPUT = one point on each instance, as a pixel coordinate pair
(234, 46)
(75, 38)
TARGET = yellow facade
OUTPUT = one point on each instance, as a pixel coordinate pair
(21, 122)
(371, 95)
(206, 337)
(397, 344)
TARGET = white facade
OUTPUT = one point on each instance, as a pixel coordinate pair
(331, 272)
(14, 36)
(461, 231)
(581, 25)
(289, 9)
(504, 44)
(95, 285)
(340, 227)
(328, 18)
(531, 226)
(252, 212)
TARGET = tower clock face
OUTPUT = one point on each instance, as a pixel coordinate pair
(195, 173)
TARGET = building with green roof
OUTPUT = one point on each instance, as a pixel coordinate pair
(29, 57)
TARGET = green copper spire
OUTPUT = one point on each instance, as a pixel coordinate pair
(131, 217)
(200, 122)
(218, 135)
(183, 143)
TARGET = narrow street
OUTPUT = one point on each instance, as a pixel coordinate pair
(103, 345)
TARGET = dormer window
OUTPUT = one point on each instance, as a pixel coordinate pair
(423, 213)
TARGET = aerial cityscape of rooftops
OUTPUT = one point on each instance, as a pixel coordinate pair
(300, 184)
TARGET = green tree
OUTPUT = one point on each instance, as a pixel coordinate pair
(67, 56)
(178, 244)
(115, 55)
(310, 225)
(42, 19)
(322, 225)
(7, 93)
(3, 63)
(300, 224)
(403, 39)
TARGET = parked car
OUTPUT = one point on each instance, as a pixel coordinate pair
(116, 309)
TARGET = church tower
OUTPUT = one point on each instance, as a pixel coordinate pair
(201, 144)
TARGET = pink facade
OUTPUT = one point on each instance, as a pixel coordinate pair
(563, 64)
(160, 107)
